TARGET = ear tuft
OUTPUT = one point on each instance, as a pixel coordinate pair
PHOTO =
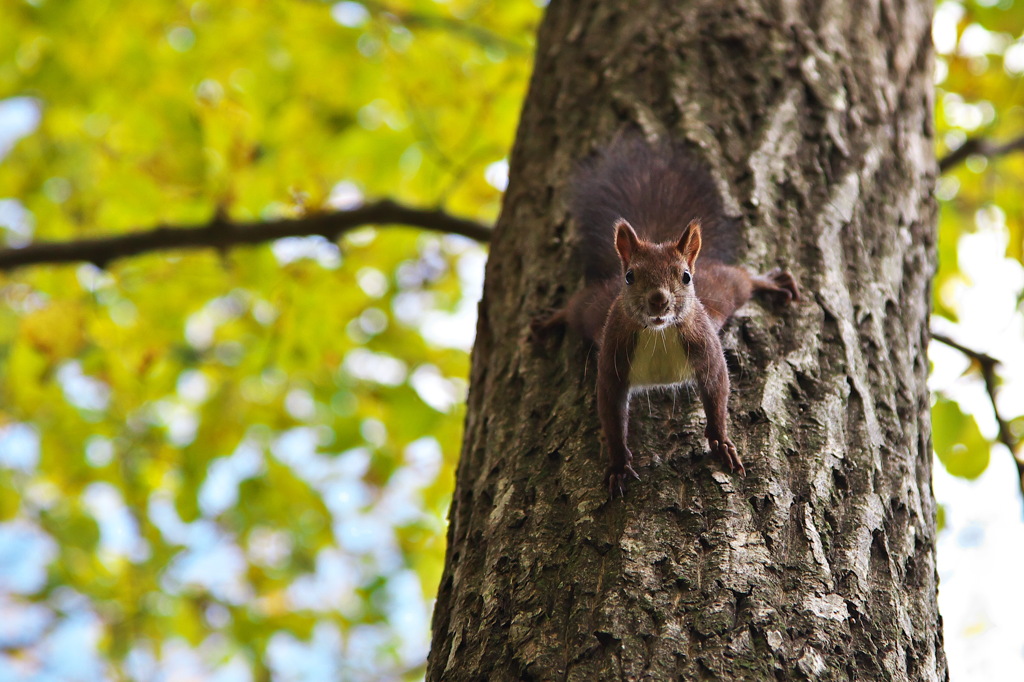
(626, 241)
(689, 242)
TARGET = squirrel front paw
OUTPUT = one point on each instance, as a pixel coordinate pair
(618, 473)
(724, 448)
(784, 284)
(542, 325)
(616, 480)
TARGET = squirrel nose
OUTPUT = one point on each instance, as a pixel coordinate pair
(658, 301)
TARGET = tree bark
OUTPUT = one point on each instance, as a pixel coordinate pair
(815, 119)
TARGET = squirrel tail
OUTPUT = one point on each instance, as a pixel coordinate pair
(658, 189)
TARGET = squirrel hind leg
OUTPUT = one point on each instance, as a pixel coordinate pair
(778, 282)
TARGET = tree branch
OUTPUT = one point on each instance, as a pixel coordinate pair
(978, 146)
(222, 234)
(988, 366)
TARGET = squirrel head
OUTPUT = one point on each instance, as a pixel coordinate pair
(658, 290)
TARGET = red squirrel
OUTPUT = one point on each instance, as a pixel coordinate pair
(643, 215)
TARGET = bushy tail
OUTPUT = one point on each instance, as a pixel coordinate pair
(658, 190)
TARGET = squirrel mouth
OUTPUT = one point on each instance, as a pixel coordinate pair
(657, 322)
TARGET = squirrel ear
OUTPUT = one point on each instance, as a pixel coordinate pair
(688, 245)
(626, 240)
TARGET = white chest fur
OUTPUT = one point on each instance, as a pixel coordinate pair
(659, 359)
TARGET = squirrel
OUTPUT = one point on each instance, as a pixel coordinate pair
(643, 215)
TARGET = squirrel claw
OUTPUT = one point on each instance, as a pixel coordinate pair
(784, 284)
(727, 451)
(617, 481)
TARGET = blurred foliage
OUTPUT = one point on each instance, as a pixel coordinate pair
(980, 94)
(237, 466)
(241, 461)
(958, 441)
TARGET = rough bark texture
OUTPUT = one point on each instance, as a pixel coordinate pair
(820, 564)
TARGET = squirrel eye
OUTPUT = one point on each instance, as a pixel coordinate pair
(629, 277)
(686, 278)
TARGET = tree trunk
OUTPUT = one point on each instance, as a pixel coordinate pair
(815, 119)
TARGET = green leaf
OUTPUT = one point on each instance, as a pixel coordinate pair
(958, 441)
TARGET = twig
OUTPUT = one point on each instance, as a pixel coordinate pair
(988, 366)
(224, 234)
(979, 146)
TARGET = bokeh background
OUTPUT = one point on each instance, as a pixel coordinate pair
(236, 465)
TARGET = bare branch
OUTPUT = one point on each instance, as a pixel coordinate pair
(979, 146)
(223, 234)
(988, 365)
